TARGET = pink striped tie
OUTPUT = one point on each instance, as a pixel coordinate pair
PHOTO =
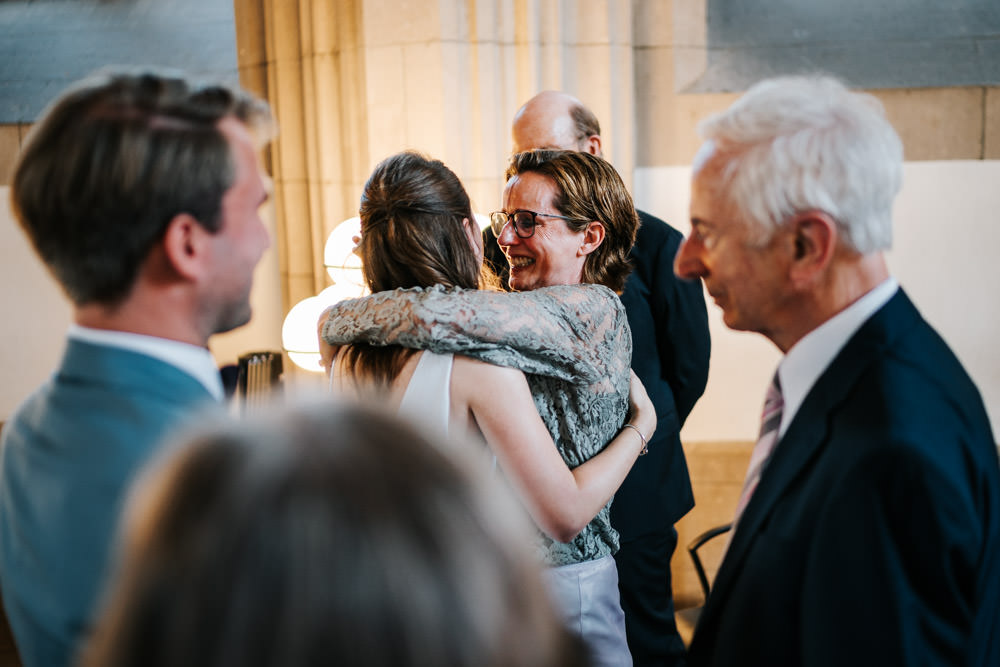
(768, 438)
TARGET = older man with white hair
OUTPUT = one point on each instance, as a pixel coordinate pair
(868, 531)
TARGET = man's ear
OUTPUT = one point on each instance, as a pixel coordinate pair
(183, 245)
(592, 145)
(814, 235)
(593, 237)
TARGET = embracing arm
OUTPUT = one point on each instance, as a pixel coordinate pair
(567, 331)
(560, 501)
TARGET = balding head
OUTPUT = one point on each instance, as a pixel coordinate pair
(553, 119)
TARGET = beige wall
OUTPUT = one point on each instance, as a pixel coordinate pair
(35, 315)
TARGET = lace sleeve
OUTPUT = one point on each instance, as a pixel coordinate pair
(573, 332)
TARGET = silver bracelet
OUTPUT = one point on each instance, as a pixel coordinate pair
(645, 447)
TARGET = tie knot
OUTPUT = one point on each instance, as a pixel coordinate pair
(773, 398)
(770, 422)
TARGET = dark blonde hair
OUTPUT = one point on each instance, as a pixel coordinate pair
(412, 235)
(112, 160)
(325, 534)
(589, 189)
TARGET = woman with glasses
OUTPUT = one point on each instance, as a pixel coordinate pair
(566, 227)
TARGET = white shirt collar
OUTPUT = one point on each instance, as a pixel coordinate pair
(808, 358)
(194, 360)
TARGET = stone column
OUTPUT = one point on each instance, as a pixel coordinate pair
(303, 57)
(354, 81)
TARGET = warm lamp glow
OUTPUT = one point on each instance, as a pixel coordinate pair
(338, 254)
(299, 335)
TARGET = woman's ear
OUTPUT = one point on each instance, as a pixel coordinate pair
(593, 237)
(475, 238)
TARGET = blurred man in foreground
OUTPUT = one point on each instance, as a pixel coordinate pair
(140, 191)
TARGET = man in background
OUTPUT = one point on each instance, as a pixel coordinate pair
(140, 192)
(868, 530)
(671, 348)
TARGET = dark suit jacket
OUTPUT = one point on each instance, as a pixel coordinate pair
(671, 347)
(873, 537)
(670, 351)
(68, 456)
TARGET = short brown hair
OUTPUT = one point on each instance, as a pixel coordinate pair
(111, 161)
(589, 189)
(585, 122)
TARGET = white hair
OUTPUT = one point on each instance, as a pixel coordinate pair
(794, 144)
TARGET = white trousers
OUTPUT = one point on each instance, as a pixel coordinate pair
(586, 594)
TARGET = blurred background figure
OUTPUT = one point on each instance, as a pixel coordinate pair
(325, 534)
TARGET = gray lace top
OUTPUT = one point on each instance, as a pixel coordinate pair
(572, 341)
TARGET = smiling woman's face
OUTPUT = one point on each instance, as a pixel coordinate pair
(552, 255)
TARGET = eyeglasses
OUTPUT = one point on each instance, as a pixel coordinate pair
(523, 221)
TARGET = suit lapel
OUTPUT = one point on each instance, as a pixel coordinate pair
(807, 434)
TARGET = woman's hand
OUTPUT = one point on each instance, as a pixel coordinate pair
(327, 352)
(641, 411)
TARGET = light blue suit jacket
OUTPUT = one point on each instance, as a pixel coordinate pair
(67, 458)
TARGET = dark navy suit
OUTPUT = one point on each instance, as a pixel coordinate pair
(670, 355)
(67, 458)
(873, 537)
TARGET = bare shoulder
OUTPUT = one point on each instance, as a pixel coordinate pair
(472, 377)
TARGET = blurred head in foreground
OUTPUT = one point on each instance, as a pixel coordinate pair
(324, 534)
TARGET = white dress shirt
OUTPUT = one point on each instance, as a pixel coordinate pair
(808, 358)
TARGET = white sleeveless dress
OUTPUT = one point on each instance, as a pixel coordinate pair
(585, 594)
(427, 399)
